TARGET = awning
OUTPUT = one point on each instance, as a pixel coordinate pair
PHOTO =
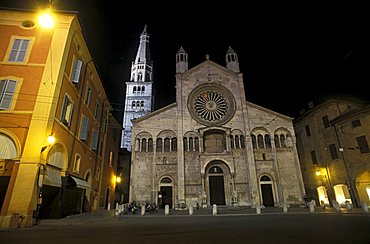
(81, 183)
(52, 177)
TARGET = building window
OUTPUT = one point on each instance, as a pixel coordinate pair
(97, 108)
(254, 141)
(167, 145)
(333, 151)
(8, 147)
(325, 121)
(260, 141)
(7, 89)
(313, 157)
(159, 145)
(19, 50)
(84, 129)
(362, 144)
(267, 141)
(150, 145)
(76, 71)
(173, 144)
(94, 140)
(308, 132)
(356, 123)
(88, 95)
(277, 141)
(77, 163)
(66, 114)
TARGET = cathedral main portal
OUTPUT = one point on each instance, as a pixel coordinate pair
(216, 186)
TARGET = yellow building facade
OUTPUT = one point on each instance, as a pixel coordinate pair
(332, 142)
(50, 87)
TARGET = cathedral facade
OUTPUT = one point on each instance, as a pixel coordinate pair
(212, 146)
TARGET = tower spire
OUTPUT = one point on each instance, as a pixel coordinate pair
(139, 92)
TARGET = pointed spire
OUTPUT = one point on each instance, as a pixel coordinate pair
(181, 61)
(232, 62)
(181, 50)
(230, 50)
(144, 31)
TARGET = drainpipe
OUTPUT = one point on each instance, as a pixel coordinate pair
(352, 189)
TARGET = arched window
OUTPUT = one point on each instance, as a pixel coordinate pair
(138, 104)
(232, 141)
(142, 104)
(8, 149)
(174, 144)
(143, 145)
(191, 144)
(185, 140)
(267, 141)
(143, 89)
(289, 141)
(215, 170)
(134, 89)
(133, 104)
(140, 77)
(254, 142)
(196, 143)
(159, 145)
(237, 142)
(242, 141)
(282, 140)
(277, 141)
(260, 141)
(166, 180)
(138, 89)
(265, 178)
(150, 145)
(167, 144)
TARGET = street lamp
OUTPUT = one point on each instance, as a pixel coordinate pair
(51, 140)
(46, 20)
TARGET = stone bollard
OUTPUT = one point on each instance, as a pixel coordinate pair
(166, 210)
(190, 210)
(258, 209)
(116, 205)
(365, 207)
(108, 207)
(285, 208)
(142, 210)
(214, 209)
(336, 206)
(311, 205)
(348, 205)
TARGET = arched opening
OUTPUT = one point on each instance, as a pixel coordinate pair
(165, 194)
(216, 186)
(363, 188)
(267, 191)
(322, 194)
(342, 194)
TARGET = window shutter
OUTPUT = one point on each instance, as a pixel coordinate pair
(84, 128)
(7, 88)
(94, 140)
(76, 71)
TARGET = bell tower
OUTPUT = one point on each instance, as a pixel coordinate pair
(139, 90)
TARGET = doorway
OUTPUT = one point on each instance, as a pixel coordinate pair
(267, 191)
(216, 186)
(166, 193)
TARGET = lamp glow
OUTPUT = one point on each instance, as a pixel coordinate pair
(51, 139)
(318, 173)
(46, 20)
(118, 179)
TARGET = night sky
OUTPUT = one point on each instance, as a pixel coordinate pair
(288, 54)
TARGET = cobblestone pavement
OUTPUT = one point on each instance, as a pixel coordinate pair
(106, 215)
